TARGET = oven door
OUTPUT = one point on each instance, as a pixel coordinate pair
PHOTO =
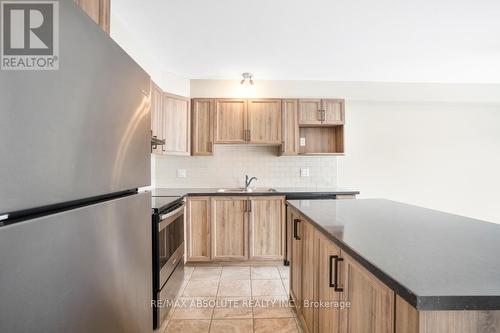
(170, 242)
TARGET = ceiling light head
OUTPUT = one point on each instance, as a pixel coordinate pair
(247, 76)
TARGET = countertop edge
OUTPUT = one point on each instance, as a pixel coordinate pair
(421, 303)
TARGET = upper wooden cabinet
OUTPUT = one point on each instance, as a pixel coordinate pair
(98, 10)
(157, 127)
(230, 121)
(170, 121)
(198, 229)
(290, 127)
(333, 111)
(202, 127)
(321, 112)
(176, 120)
(248, 121)
(297, 126)
(229, 228)
(267, 228)
(309, 111)
(264, 121)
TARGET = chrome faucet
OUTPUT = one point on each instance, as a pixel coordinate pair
(248, 181)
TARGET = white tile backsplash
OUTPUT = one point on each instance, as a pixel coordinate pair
(230, 164)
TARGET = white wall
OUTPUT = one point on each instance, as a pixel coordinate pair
(438, 155)
(131, 43)
(434, 145)
(230, 164)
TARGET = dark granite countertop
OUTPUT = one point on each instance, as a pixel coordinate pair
(434, 260)
(289, 191)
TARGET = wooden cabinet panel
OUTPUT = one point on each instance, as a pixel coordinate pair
(229, 227)
(202, 127)
(333, 111)
(267, 228)
(230, 120)
(264, 121)
(372, 302)
(309, 274)
(290, 127)
(309, 111)
(177, 125)
(157, 126)
(98, 10)
(322, 140)
(296, 260)
(328, 317)
(198, 229)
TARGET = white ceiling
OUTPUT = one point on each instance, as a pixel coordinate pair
(338, 40)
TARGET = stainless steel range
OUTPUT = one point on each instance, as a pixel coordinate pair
(168, 254)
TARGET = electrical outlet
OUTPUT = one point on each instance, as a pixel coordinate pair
(302, 142)
(181, 173)
(304, 172)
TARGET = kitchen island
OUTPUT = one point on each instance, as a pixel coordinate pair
(404, 268)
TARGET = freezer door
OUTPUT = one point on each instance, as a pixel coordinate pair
(84, 270)
(77, 132)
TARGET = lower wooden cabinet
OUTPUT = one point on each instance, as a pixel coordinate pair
(328, 317)
(321, 273)
(309, 275)
(229, 224)
(267, 228)
(372, 302)
(198, 229)
(295, 260)
(235, 228)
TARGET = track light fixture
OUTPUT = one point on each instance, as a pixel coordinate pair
(247, 76)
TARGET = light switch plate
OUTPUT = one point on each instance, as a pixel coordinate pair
(302, 142)
(181, 173)
(304, 172)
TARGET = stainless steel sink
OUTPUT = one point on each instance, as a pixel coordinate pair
(243, 190)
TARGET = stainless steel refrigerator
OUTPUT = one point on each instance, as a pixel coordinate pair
(75, 234)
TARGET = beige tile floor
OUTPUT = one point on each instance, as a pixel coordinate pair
(236, 299)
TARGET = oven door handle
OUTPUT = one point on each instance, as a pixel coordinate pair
(168, 218)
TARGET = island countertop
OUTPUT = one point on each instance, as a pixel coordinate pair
(434, 260)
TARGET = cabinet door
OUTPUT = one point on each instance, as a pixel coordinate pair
(98, 10)
(296, 260)
(264, 121)
(372, 302)
(230, 121)
(202, 127)
(177, 125)
(309, 274)
(290, 127)
(198, 229)
(309, 112)
(328, 317)
(157, 125)
(267, 228)
(333, 111)
(229, 225)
